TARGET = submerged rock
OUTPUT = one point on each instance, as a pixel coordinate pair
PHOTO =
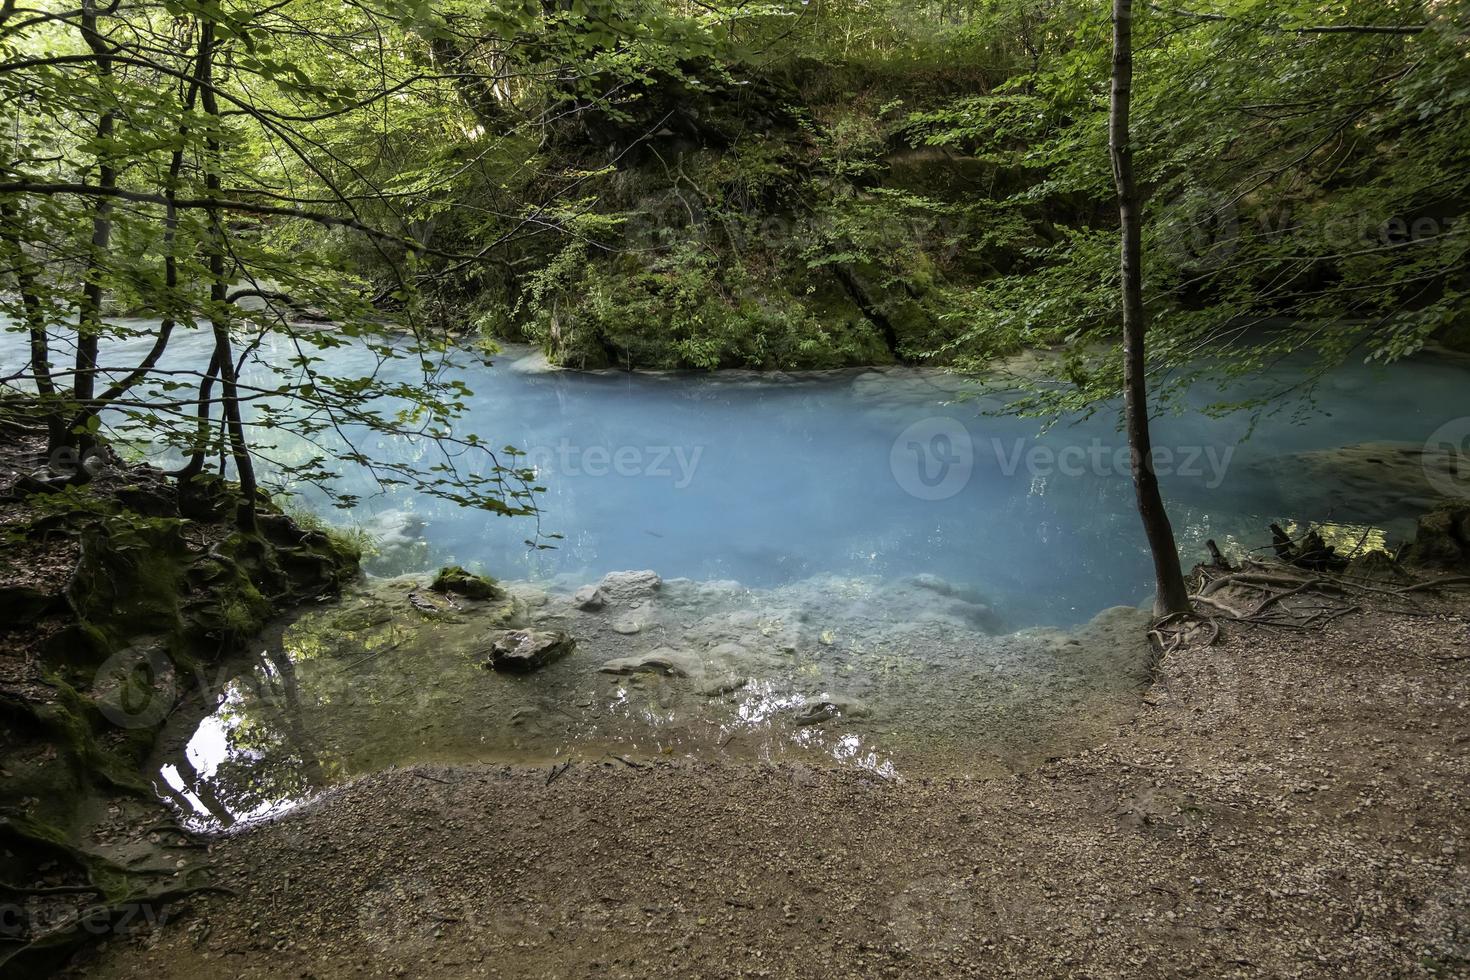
(664, 660)
(519, 651)
(628, 625)
(625, 587)
(722, 685)
(589, 598)
(1373, 482)
(817, 710)
(398, 541)
(434, 606)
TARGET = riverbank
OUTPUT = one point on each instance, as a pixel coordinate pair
(1280, 804)
(118, 589)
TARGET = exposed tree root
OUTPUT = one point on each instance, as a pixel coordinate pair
(1279, 596)
(100, 919)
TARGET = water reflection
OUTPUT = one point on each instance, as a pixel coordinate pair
(885, 677)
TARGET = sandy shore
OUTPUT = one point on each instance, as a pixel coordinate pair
(1280, 805)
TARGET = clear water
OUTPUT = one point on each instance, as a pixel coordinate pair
(791, 516)
(773, 481)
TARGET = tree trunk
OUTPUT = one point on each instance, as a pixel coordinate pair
(1172, 595)
(219, 317)
(89, 312)
(170, 258)
(35, 318)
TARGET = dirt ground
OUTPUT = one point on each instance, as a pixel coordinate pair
(1281, 804)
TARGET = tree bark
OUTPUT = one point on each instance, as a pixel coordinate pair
(170, 258)
(219, 317)
(1172, 595)
(89, 312)
(35, 318)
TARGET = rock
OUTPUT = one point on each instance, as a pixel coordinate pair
(398, 540)
(43, 480)
(454, 580)
(720, 686)
(933, 583)
(817, 710)
(589, 598)
(729, 653)
(362, 617)
(21, 605)
(527, 595)
(149, 499)
(432, 606)
(534, 362)
(664, 660)
(519, 651)
(625, 587)
(1443, 537)
(628, 625)
(1369, 482)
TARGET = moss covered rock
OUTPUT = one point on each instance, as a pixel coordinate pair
(455, 580)
(123, 589)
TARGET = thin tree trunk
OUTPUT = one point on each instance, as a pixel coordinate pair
(1172, 595)
(170, 259)
(219, 291)
(35, 317)
(195, 465)
(89, 313)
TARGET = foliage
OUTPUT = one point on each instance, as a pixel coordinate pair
(1306, 183)
(651, 184)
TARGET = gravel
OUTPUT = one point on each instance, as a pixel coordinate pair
(1279, 805)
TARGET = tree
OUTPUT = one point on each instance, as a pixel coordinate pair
(1172, 595)
(185, 158)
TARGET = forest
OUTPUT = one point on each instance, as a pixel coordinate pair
(1039, 424)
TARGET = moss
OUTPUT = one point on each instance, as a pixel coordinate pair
(143, 610)
(130, 576)
(458, 581)
(684, 310)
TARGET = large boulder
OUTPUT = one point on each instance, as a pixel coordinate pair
(521, 651)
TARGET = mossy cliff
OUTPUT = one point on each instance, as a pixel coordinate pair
(115, 595)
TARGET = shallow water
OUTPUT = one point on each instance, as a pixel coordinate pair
(871, 537)
(893, 678)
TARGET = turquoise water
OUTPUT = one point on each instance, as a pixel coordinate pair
(768, 481)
